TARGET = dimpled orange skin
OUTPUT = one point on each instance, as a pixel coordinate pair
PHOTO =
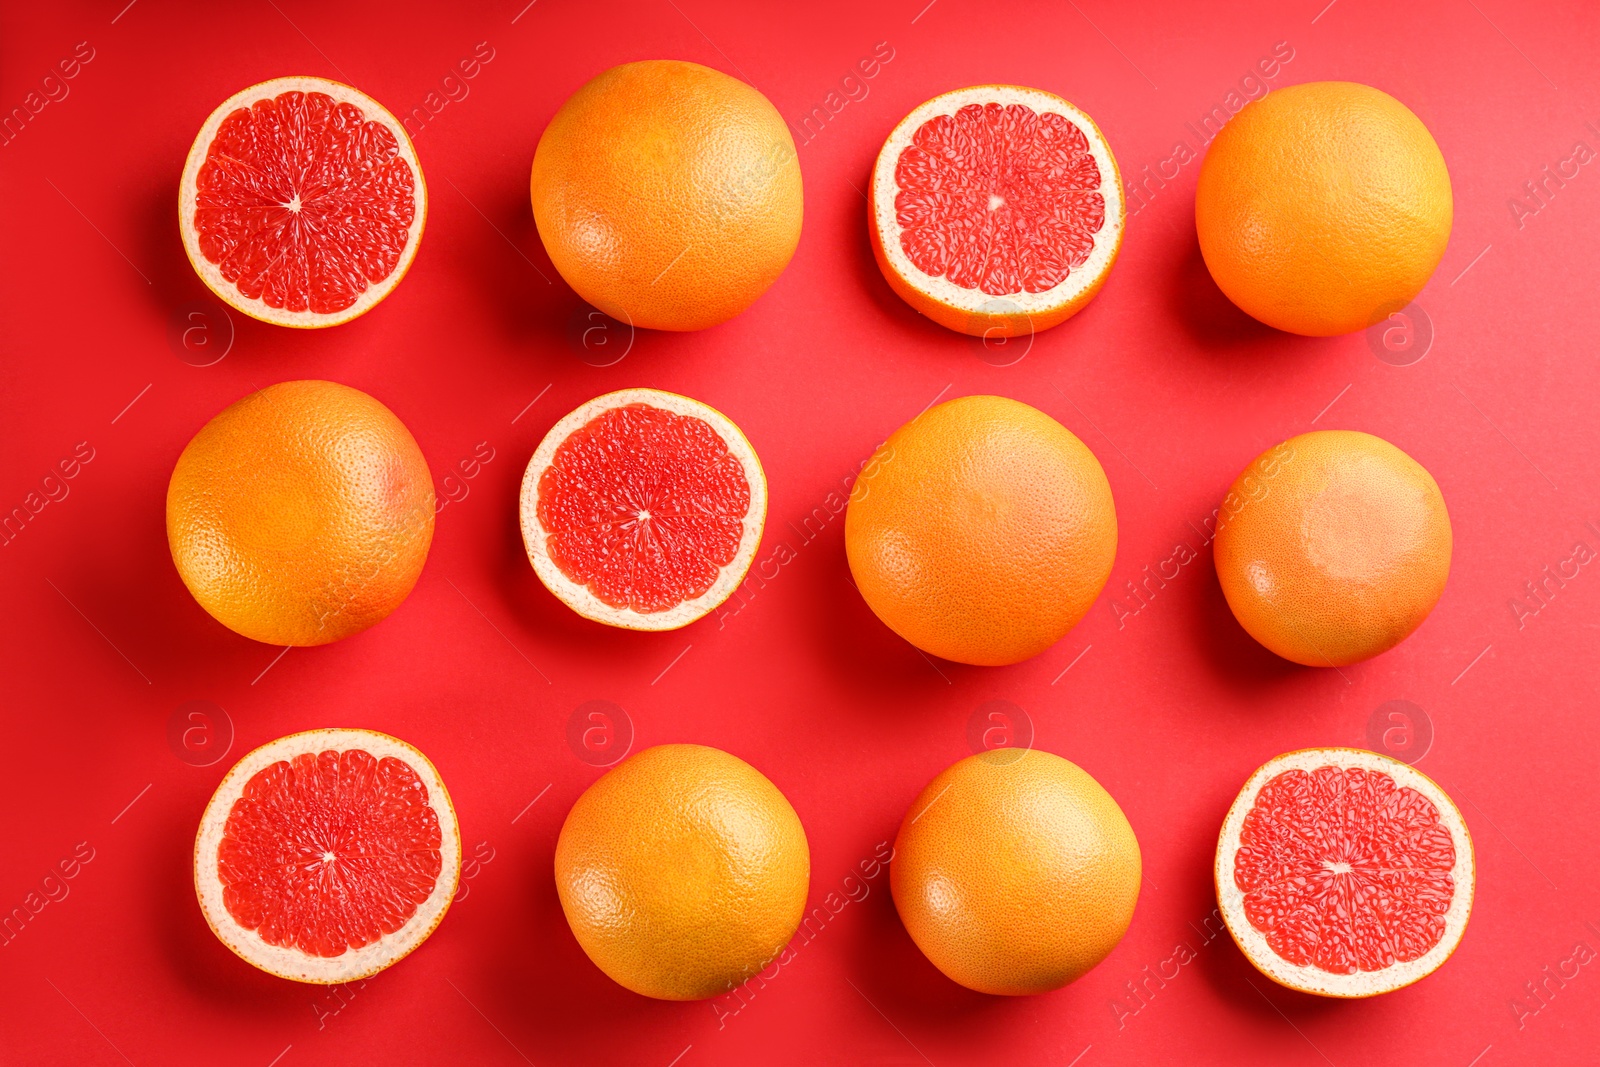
(668, 194)
(1323, 207)
(981, 531)
(682, 871)
(302, 514)
(1332, 547)
(1015, 872)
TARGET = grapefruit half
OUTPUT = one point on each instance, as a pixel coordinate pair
(643, 509)
(302, 202)
(325, 856)
(996, 210)
(1344, 873)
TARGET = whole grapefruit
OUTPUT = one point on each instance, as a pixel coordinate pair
(1332, 547)
(301, 514)
(1323, 207)
(682, 871)
(981, 531)
(667, 194)
(1015, 872)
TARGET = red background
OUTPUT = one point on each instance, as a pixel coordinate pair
(1173, 389)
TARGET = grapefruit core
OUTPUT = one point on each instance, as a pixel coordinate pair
(643, 509)
(1344, 873)
(996, 210)
(302, 202)
(328, 855)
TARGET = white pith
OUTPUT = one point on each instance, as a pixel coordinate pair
(352, 964)
(1253, 943)
(1079, 279)
(212, 274)
(578, 597)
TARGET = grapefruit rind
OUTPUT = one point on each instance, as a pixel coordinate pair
(212, 275)
(293, 964)
(972, 311)
(577, 596)
(1307, 979)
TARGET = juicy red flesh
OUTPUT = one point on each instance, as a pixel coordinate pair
(353, 217)
(1343, 870)
(329, 852)
(644, 507)
(999, 198)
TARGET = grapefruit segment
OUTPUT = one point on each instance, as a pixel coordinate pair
(643, 509)
(302, 202)
(328, 855)
(996, 210)
(1344, 873)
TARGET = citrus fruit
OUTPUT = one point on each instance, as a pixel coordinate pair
(1015, 872)
(325, 856)
(1323, 207)
(996, 210)
(301, 514)
(643, 509)
(302, 202)
(1344, 873)
(1332, 547)
(981, 531)
(667, 194)
(682, 871)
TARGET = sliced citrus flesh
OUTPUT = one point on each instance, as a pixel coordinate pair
(326, 856)
(1344, 873)
(643, 509)
(302, 202)
(996, 210)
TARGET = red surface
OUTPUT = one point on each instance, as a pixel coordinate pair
(1163, 699)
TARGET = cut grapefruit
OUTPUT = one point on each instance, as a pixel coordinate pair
(325, 856)
(302, 202)
(996, 210)
(1344, 873)
(643, 509)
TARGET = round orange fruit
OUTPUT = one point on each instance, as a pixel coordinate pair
(1015, 872)
(1332, 547)
(301, 514)
(981, 531)
(683, 872)
(1323, 207)
(667, 194)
